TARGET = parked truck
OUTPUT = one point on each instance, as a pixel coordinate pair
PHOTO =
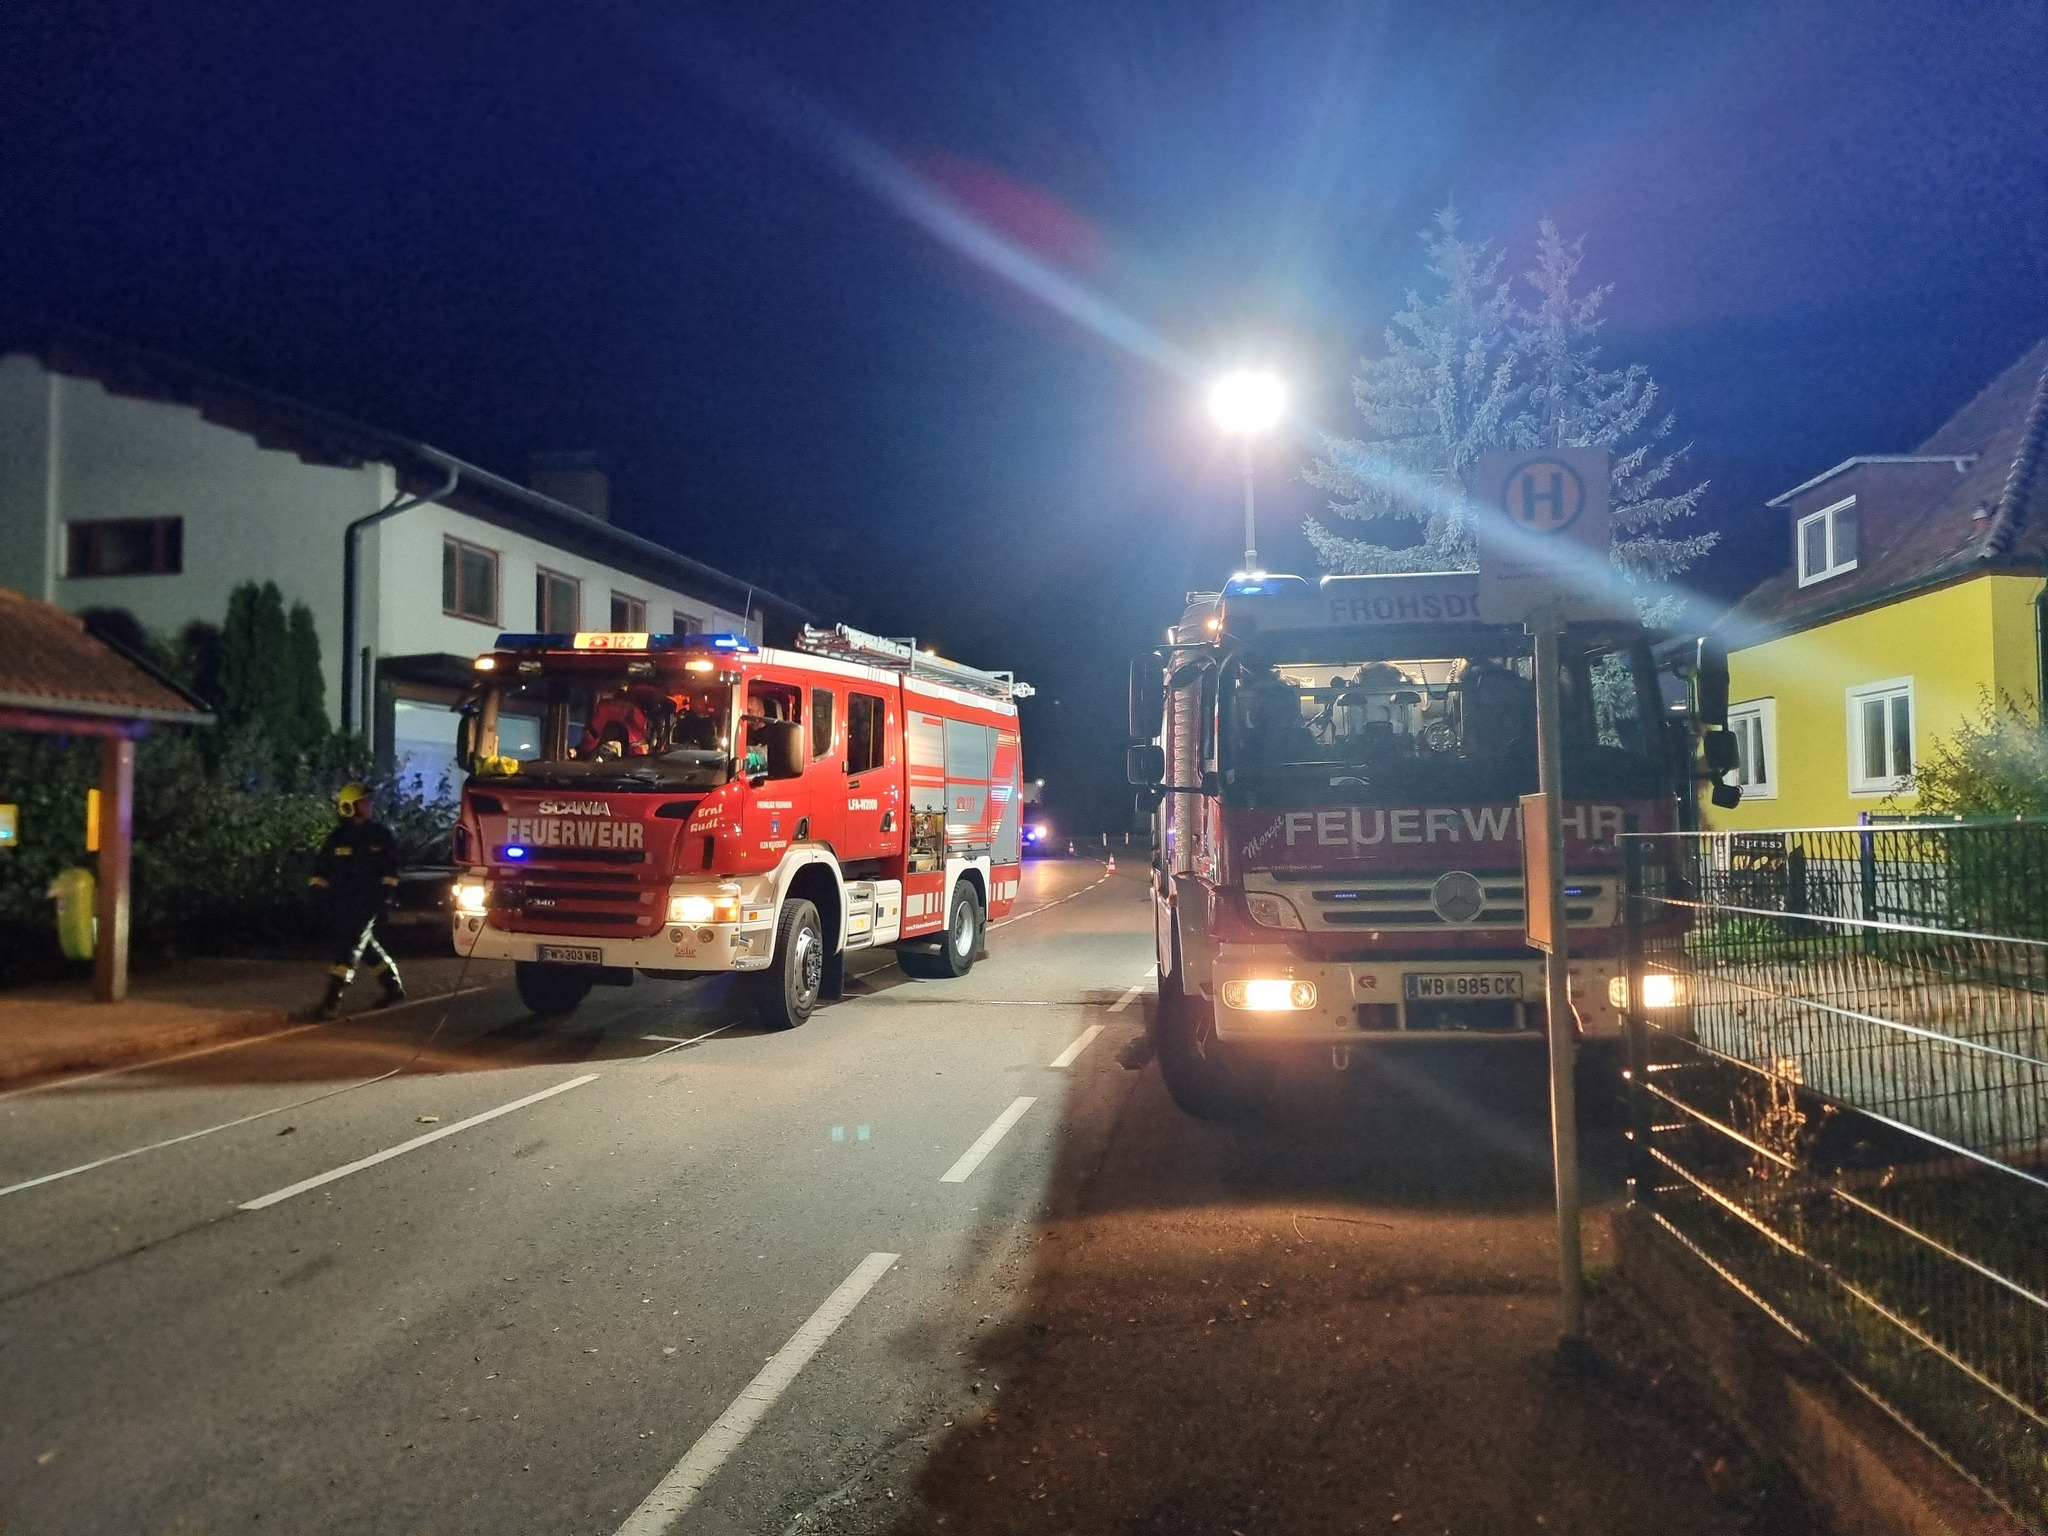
(690, 805)
(1334, 771)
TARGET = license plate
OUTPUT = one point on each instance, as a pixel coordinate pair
(568, 954)
(1432, 986)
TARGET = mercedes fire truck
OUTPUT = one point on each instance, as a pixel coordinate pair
(1334, 773)
(688, 805)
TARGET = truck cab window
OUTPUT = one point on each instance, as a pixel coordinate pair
(865, 747)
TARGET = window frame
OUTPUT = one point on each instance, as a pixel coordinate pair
(878, 738)
(451, 544)
(1829, 518)
(85, 534)
(825, 719)
(1760, 717)
(685, 623)
(1863, 784)
(542, 618)
(635, 607)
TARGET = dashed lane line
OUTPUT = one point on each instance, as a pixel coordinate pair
(675, 1493)
(986, 1143)
(291, 1190)
(1067, 1057)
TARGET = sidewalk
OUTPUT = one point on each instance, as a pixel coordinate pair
(57, 1027)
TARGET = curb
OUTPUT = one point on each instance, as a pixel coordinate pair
(122, 1050)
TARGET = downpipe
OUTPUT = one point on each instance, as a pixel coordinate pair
(351, 550)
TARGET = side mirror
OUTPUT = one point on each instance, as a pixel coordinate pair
(465, 741)
(1146, 802)
(1145, 765)
(1721, 752)
(1148, 697)
(784, 741)
(1726, 796)
(1709, 702)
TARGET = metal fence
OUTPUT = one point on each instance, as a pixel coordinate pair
(1839, 1069)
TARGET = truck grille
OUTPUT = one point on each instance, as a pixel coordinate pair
(574, 901)
(1420, 903)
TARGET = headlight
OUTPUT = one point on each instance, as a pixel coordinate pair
(1272, 911)
(1270, 994)
(1661, 989)
(703, 909)
(472, 898)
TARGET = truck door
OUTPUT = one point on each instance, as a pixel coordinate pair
(824, 801)
(873, 769)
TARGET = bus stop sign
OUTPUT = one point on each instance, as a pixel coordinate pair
(1544, 531)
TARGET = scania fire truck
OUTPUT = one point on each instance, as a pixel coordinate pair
(684, 805)
(1334, 771)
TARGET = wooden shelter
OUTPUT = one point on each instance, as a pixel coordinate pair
(58, 680)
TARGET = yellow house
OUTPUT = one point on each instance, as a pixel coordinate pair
(1915, 584)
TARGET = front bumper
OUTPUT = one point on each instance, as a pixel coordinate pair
(1362, 1001)
(747, 945)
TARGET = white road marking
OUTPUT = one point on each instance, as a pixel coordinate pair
(1127, 999)
(971, 1158)
(1067, 1057)
(675, 1493)
(1018, 917)
(318, 1179)
(225, 1045)
(677, 1045)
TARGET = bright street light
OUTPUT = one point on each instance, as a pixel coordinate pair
(1246, 403)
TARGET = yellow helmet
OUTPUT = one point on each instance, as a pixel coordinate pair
(350, 795)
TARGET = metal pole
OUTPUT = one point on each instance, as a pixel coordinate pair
(1557, 998)
(1635, 1037)
(117, 827)
(1251, 539)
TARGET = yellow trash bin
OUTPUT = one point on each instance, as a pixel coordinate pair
(77, 897)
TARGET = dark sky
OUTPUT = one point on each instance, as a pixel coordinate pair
(690, 236)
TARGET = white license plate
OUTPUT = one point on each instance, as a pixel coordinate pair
(568, 954)
(1432, 986)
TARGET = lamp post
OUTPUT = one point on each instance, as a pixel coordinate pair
(1245, 404)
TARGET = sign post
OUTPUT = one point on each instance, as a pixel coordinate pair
(1544, 533)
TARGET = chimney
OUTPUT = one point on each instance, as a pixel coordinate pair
(576, 478)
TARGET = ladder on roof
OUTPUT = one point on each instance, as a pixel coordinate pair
(902, 655)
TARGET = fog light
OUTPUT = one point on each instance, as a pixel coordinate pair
(472, 897)
(703, 909)
(1269, 994)
(1661, 989)
(1270, 911)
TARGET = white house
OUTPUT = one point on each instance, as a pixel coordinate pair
(130, 480)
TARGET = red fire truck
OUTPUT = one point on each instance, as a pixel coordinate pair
(683, 805)
(1334, 771)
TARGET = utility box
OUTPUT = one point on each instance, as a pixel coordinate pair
(77, 896)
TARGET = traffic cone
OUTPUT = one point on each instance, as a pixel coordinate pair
(1070, 847)
(1112, 863)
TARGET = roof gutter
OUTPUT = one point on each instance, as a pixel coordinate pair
(1962, 461)
(351, 553)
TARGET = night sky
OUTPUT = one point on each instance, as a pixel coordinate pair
(904, 310)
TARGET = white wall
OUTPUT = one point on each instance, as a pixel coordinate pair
(405, 552)
(25, 556)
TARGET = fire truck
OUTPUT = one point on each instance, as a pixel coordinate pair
(1334, 772)
(690, 805)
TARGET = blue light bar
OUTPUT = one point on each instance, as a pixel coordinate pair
(514, 851)
(567, 642)
(1259, 584)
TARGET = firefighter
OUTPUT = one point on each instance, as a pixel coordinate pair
(357, 879)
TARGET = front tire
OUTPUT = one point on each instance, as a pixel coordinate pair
(551, 991)
(1206, 1078)
(787, 992)
(958, 945)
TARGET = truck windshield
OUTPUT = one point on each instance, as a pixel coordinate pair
(603, 729)
(1457, 724)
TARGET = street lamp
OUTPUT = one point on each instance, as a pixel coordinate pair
(1246, 403)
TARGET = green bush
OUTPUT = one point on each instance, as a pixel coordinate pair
(1995, 764)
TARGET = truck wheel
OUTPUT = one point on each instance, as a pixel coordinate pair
(551, 991)
(788, 991)
(1206, 1078)
(958, 944)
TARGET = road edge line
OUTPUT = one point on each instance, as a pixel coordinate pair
(1067, 1057)
(984, 1144)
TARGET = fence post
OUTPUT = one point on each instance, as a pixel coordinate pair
(1635, 1038)
(1866, 868)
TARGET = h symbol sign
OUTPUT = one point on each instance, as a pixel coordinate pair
(1542, 506)
(1544, 497)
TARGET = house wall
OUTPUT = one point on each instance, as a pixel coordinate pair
(1954, 642)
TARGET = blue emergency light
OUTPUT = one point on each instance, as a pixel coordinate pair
(514, 851)
(1259, 584)
(567, 642)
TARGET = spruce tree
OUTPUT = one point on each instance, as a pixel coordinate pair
(254, 666)
(1471, 369)
(306, 688)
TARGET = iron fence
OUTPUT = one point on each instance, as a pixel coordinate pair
(1839, 1065)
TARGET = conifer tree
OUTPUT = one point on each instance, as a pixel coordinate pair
(1472, 368)
(306, 688)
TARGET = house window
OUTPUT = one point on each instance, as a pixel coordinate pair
(864, 745)
(1881, 737)
(469, 581)
(686, 624)
(1826, 542)
(1755, 725)
(126, 546)
(557, 603)
(629, 614)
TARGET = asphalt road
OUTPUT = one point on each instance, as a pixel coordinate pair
(943, 1259)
